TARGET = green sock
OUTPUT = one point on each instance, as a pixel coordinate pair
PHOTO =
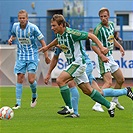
(96, 96)
(65, 92)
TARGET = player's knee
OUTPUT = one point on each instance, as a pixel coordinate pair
(101, 91)
(120, 81)
(20, 78)
(86, 92)
(108, 84)
(59, 81)
(31, 81)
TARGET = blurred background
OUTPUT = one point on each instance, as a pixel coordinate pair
(81, 14)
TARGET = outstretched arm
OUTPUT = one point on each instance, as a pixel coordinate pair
(50, 45)
(100, 54)
(52, 66)
(104, 50)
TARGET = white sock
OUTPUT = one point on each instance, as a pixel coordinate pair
(97, 104)
(115, 99)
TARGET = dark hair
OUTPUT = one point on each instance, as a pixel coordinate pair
(67, 24)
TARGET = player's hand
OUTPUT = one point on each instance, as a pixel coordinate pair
(10, 41)
(104, 58)
(46, 79)
(122, 51)
(43, 49)
(58, 46)
(47, 60)
(104, 50)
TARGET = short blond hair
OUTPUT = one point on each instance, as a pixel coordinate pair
(23, 11)
(103, 9)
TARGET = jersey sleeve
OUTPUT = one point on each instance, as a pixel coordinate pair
(38, 33)
(97, 34)
(78, 35)
(13, 30)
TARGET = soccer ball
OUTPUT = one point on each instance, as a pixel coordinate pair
(6, 113)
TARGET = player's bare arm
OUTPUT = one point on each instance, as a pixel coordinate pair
(116, 44)
(100, 54)
(52, 66)
(50, 45)
(104, 50)
(12, 38)
(47, 59)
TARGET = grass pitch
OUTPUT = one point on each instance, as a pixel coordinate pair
(44, 118)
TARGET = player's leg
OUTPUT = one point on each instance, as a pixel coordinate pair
(19, 88)
(72, 70)
(96, 96)
(107, 77)
(119, 82)
(74, 98)
(62, 81)
(92, 81)
(110, 92)
(31, 68)
(33, 86)
(20, 70)
(86, 88)
(97, 106)
(83, 83)
(103, 70)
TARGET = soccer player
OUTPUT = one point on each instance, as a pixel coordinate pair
(105, 33)
(25, 34)
(109, 92)
(72, 85)
(69, 41)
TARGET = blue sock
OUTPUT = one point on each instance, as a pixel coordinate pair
(33, 89)
(74, 99)
(18, 93)
(109, 92)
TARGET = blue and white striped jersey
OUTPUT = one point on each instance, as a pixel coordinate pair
(26, 41)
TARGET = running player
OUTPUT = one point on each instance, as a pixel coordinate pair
(25, 34)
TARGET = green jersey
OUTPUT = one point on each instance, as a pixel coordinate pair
(105, 35)
(71, 45)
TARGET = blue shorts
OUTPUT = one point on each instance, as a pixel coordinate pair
(22, 66)
(89, 70)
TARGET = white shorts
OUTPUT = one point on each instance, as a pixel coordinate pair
(78, 72)
(102, 67)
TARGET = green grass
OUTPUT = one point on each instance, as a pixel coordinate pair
(44, 119)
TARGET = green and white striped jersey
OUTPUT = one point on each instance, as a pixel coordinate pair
(105, 35)
(71, 45)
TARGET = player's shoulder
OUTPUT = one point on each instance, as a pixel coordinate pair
(111, 23)
(32, 25)
(69, 30)
(97, 28)
(73, 31)
(16, 24)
